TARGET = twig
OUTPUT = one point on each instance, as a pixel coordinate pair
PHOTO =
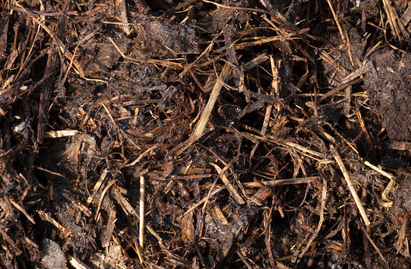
(22, 210)
(406, 16)
(103, 193)
(279, 182)
(247, 66)
(258, 41)
(46, 217)
(142, 198)
(236, 8)
(320, 223)
(305, 151)
(386, 201)
(392, 18)
(97, 187)
(111, 223)
(363, 127)
(366, 233)
(230, 187)
(347, 178)
(205, 116)
(382, 172)
(76, 263)
(124, 203)
(274, 91)
(121, 4)
(337, 22)
(149, 61)
(118, 128)
(142, 155)
(199, 129)
(202, 201)
(267, 226)
(188, 67)
(245, 259)
(50, 172)
(339, 88)
(60, 133)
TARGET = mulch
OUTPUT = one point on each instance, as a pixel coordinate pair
(202, 134)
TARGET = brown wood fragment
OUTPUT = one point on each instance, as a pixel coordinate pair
(406, 16)
(279, 182)
(392, 18)
(46, 85)
(46, 216)
(111, 224)
(205, 116)
(124, 203)
(121, 5)
(22, 210)
(237, 197)
(187, 227)
(351, 187)
(261, 195)
(220, 215)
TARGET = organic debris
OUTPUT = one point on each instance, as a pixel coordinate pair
(202, 134)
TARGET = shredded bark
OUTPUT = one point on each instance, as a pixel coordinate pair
(205, 134)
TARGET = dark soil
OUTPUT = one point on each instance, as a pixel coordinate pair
(388, 84)
(200, 134)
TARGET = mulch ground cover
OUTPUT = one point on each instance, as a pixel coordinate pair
(205, 134)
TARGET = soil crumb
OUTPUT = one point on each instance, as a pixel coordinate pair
(389, 86)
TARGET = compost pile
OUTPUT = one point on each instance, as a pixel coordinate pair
(201, 134)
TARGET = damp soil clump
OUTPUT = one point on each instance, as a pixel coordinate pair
(205, 134)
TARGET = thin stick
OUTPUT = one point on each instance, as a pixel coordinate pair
(76, 263)
(339, 88)
(121, 4)
(205, 116)
(124, 203)
(374, 245)
(247, 66)
(386, 201)
(97, 187)
(142, 198)
(391, 17)
(363, 127)
(336, 21)
(103, 193)
(274, 90)
(149, 61)
(214, 192)
(382, 172)
(206, 51)
(267, 226)
(46, 217)
(279, 182)
(237, 197)
(320, 223)
(199, 130)
(22, 210)
(347, 178)
(236, 8)
(142, 156)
